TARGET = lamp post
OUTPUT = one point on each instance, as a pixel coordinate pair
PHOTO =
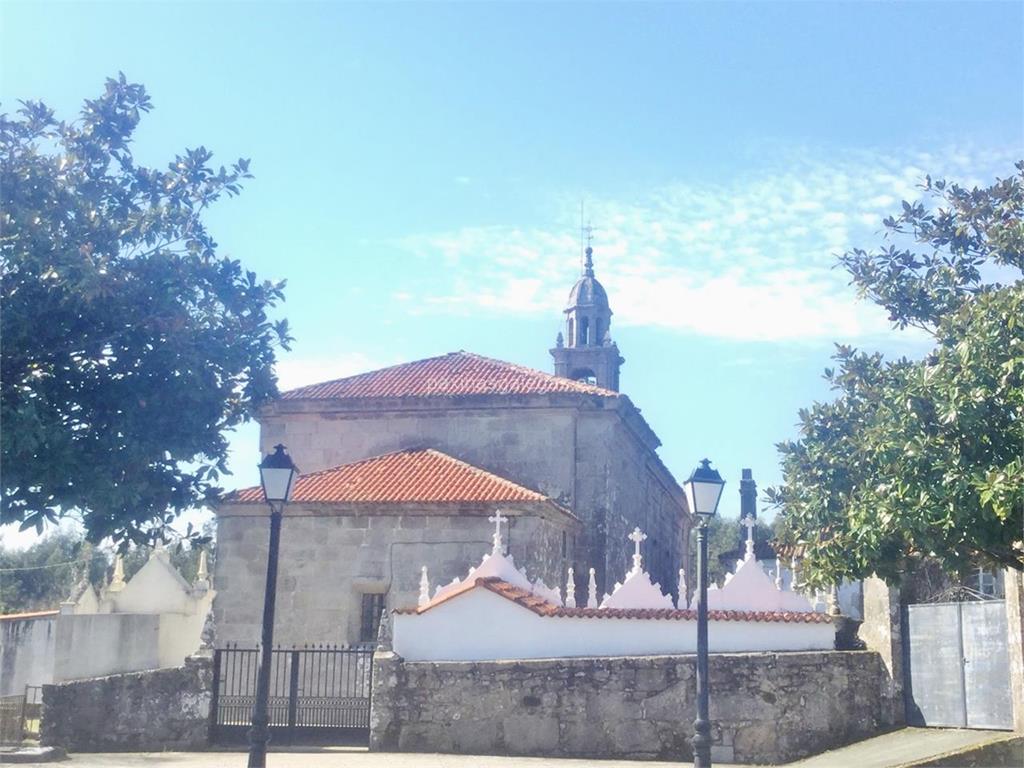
(277, 475)
(703, 490)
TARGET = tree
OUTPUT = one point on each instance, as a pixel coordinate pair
(921, 460)
(41, 576)
(129, 345)
(725, 536)
(44, 574)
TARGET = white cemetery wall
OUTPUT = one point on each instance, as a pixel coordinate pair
(481, 625)
(26, 651)
(89, 645)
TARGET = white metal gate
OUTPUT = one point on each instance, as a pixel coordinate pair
(957, 665)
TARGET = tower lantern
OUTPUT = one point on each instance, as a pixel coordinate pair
(588, 352)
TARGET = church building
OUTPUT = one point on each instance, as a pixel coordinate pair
(412, 464)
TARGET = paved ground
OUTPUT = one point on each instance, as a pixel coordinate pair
(899, 747)
(892, 749)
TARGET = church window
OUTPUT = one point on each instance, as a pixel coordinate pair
(598, 338)
(584, 327)
(372, 608)
(572, 328)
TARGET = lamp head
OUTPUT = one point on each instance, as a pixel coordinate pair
(703, 490)
(277, 475)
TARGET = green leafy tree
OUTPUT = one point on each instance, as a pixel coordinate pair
(41, 576)
(725, 537)
(130, 347)
(921, 460)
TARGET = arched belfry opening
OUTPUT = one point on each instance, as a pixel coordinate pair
(588, 353)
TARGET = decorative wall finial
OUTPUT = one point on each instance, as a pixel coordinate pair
(424, 587)
(794, 581)
(559, 340)
(636, 537)
(570, 590)
(778, 573)
(203, 571)
(683, 600)
(497, 519)
(750, 523)
(592, 590)
(117, 580)
(833, 601)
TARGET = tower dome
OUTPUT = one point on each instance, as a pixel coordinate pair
(588, 291)
(586, 352)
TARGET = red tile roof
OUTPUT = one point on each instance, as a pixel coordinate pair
(542, 607)
(454, 374)
(29, 615)
(414, 476)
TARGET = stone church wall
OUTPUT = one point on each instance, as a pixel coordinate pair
(765, 707)
(620, 486)
(582, 452)
(327, 561)
(533, 446)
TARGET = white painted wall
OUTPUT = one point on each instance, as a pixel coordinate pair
(479, 625)
(91, 645)
(26, 652)
(153, 621)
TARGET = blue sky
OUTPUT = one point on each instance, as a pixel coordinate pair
(419, 170)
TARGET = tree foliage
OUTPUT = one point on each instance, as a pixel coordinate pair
(41, 576)
(921, 460)
(129, 345)
(726, 536)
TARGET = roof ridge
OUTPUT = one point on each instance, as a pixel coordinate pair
(366, 379)
(451, 470)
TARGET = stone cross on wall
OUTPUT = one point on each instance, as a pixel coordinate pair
(497, 519)
(750, 523)
(636, 537)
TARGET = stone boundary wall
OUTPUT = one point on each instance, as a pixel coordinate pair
(765, 707)
(153, 711)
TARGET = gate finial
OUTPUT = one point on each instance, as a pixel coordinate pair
(384, 632)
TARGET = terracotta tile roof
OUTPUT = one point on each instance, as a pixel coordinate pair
(414, 476)
(29, 615)
(542, 607)
(454, 374)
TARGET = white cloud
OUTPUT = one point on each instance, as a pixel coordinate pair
(748, 259)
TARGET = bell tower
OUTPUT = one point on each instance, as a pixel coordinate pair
(585, 350)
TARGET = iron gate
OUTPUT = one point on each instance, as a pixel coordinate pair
(317, 695)
(957, 665)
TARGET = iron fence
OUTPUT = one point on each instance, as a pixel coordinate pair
(318, 695)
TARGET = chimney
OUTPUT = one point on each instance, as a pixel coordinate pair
(748, 495)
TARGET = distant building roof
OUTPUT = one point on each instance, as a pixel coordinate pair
(29, 615)
(454, 374)
(423, 476)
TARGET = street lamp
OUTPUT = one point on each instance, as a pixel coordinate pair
(277, 475)
(703, 490)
